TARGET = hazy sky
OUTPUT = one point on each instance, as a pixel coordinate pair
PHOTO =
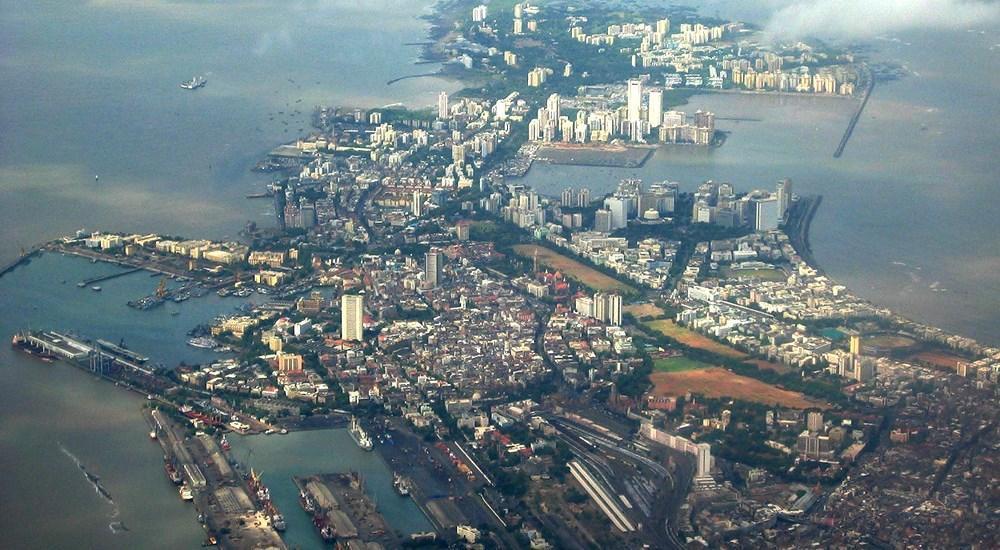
(850, 19)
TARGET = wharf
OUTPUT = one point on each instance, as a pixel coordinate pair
(92, 280)
(342, 504)
(226, 508)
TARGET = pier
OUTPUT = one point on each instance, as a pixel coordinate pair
(92, 280)
(855, 118)
(22, 259)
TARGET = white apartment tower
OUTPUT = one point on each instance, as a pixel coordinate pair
(655, 111)
(634, 111)
(443, 112)
(352, 313)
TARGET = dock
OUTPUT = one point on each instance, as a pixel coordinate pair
(108, 277)
(344, 508)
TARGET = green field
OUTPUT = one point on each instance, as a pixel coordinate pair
(678, 364)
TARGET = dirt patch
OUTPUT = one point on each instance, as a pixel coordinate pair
(692, 339)
(719, 382)
(572, 268)
(938, 359)
(643, 310)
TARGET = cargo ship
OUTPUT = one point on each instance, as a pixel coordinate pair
(359, 435)
(172, 473)
(20, 342)
(194, 83)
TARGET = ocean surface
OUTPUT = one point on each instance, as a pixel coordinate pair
(91, 89)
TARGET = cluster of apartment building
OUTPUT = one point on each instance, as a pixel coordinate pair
(217, 252)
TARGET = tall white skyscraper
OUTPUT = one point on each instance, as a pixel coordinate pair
(352, 316)
(655, 112)
(704, 455)
(634, 112)
(443, 112)
(417, 206)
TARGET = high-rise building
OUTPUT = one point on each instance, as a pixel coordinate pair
(614, 309)
(619, 211)
(443, 112)
(462, 230)
(433, 264)
(417, 206)
(602, 221)
(583, 197)
(704, 455)
(855, 344)
(784, 192)
(814, 421)
(634, 97)
(655, 110)
(352, 316)
(766, 214)
(552, 106)
(289, 362)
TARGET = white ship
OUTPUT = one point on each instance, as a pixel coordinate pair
(359, 435)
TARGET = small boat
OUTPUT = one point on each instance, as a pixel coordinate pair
(95, 288)
(185, 493)
(278, 522)
(152, 434)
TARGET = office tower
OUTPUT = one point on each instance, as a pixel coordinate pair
(814, 421)
(784, 192)
(443, 112)
(655, 110)
(765, 214)
(352, 313)
(433, 263)
(634, 100)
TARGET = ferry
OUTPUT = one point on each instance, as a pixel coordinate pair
(194, 83)
(359, 435)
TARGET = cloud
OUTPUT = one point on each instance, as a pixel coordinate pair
(854, 19)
